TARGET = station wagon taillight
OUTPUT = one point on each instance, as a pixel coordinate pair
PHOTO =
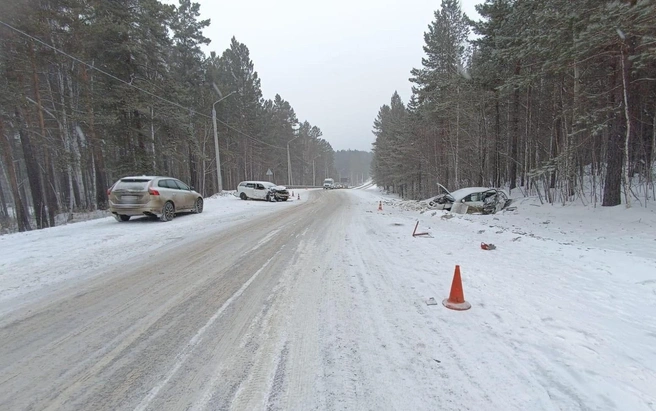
(153, 192)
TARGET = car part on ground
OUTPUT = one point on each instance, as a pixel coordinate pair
(490, 246)
(154, 196)
(471, 200)
(262, 190)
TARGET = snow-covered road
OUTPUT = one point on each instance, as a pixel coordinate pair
(320, 304)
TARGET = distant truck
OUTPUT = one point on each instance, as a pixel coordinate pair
(328, 184)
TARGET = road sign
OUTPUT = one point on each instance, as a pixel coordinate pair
(269, 172)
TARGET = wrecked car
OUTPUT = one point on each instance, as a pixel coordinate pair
(471, 200)
(262, 190)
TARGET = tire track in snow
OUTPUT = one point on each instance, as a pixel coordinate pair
(273, 402)
(188, 349)
(252, 377)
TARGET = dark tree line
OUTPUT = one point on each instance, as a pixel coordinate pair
(554, 97)
(352, 166)
(93, 90)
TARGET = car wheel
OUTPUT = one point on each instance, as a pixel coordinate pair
(121, 217)
(267, 198)
(198, 207)
(243, 196)
(168, 212)
(284, 199)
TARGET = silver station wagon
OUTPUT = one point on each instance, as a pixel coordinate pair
(160, 197)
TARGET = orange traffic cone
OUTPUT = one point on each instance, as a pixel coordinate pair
(299, 196)
(380, 206)
(456, 300)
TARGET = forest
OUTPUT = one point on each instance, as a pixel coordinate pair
(352, 167)
(556, 98)
(94, 90)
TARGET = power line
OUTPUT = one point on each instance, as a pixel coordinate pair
(246, 135)
(97, 69)
(132, 85)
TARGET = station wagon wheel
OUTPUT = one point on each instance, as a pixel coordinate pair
(124, 217)
(168, 212)
(243, 196)
(198, 207)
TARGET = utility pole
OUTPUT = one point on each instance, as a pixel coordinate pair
(216, 143)
(289, 162)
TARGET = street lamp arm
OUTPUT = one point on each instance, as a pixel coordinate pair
(223, 98)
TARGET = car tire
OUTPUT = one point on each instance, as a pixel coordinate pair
(168, 212)
(198, 206)
(243, 196)
(267, 198)
(121, 217)
(284, 199)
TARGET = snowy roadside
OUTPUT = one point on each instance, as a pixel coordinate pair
(610, 228)
(556, 322)
(36, 260)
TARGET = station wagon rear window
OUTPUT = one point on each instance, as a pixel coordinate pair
(132, 184)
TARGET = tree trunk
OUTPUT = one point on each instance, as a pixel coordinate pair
(33, 173)
(652, 157)
(613, 183)
(457, 150)
(483, 154)
(193, 171)
(4, 211)
(66, 136)
(514, 138)
(99, 172)
(152, 140)
(50, 195)
(497, 142)
(527, 141)
(22, 217)
(78, 141)
(573, 136)
(627, 139)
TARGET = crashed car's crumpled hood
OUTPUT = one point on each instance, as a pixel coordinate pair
(278, 188)
(464, 192)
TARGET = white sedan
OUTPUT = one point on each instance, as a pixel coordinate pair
(262, 190)
(470, 200)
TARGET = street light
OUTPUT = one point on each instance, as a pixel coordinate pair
(289, 161)
(216, 139)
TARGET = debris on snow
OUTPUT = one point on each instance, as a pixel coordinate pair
(488, 246)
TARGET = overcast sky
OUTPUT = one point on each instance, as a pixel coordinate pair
(336, 62)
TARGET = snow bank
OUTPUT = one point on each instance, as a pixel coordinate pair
(34, 260)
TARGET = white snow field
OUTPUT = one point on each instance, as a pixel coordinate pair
(335, 317)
